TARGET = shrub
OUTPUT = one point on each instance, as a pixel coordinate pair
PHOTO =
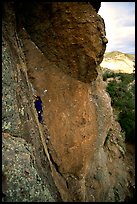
(123, 101)
(108, 74)
(127, 122)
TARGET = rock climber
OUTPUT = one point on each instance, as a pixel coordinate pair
(38, 106)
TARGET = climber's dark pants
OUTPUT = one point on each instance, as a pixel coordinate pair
(40, 116)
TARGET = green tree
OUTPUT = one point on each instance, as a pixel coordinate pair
(122, 93)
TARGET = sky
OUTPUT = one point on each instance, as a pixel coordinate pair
(119, 20)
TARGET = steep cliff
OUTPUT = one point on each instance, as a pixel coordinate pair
(54, 50)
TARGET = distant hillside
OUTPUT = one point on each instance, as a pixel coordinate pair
(119, 62)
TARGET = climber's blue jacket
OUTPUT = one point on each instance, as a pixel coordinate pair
(38, 104)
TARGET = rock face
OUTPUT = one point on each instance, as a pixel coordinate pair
(20, 173)
(54, 50)
(70, 35)
(119, 62)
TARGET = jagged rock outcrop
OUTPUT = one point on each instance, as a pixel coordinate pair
(60, 36)
(58, 47)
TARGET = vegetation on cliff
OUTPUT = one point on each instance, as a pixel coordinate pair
(121, 88)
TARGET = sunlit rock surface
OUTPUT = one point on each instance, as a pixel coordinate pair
(54, 50)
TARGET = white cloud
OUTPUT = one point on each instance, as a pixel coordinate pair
(119, 20)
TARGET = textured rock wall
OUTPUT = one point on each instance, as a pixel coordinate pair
(23, 182)
(24, 165)
(59, 50)
(70, 35)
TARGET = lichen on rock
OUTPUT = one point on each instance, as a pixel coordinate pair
(23, 182)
